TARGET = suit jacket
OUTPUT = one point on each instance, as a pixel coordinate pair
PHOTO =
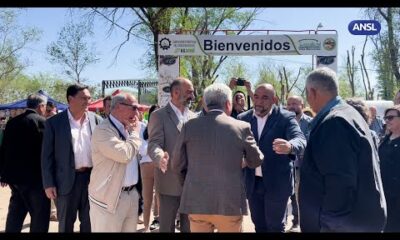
(208, 156)
(277, 169)
(58, 160)
(21, 149)
(111, 153)
(164, 129)
(341, 188)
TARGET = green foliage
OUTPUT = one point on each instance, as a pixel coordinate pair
(72, 50)
(13, 38)
(22, 85)
(382, 58)
(345, 88)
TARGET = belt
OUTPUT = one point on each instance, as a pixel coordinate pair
(83, 169)
(259, 178)
(129, 188)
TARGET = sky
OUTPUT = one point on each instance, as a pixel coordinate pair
(128, 65)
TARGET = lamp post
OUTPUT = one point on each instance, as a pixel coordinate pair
(313, 56)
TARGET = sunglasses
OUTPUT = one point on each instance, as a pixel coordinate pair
(134, 107)
(389, 117)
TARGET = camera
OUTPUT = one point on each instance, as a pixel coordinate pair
(240, 82)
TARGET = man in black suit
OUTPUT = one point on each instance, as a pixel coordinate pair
(67, 160)
(280, 139)
(20, 168)
(340, 187)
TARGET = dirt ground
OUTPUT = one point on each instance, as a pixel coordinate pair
(5, 197)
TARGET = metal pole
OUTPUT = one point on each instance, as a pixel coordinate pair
(102, 88)
(139, 90)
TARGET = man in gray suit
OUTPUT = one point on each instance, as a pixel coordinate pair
(66, 159)
(164, 128)
(208, 156)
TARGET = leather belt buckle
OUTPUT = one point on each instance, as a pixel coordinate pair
(83, 169)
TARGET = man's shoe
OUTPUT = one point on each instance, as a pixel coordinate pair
(154, 225)
(295, 228)
(140, 220)
(53, 217)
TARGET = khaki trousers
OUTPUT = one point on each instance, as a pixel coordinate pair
(123, 220)
(208, 223)
(147, 173)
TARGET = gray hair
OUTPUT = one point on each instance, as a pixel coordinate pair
(216, 95)
(34, 100)
(324, 79)
(119, 98)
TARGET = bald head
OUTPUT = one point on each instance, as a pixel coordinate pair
(295, 104)
(296, 98)
(267, 87)
(264, 99)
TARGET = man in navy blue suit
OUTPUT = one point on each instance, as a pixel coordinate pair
(280, 139)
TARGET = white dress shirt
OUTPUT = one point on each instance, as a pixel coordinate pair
(81, 140)
(181, 117)
(143, 148)
(131, 171)
(260, 127)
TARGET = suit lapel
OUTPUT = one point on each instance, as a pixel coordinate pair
(270, 121)
(254, 125)
(173, 117)
(92, 121)
(66, 128)
(66, 131)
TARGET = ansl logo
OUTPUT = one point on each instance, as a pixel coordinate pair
(364, 27)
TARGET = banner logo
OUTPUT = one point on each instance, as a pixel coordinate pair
(364, 27)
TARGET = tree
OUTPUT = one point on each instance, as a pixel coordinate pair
(13, 39)
(386, 55)
(72, 51)
(22, 85)
(393, 43)
(203, 70)
(147, 23)
(386, 79)
(351, 70)
(369, 93)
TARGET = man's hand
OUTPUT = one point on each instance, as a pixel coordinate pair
(281, 146)
(244, 164)
(3, 184)
(132, 125)
(51, 193)
(232, 83)
(247, 84)
(164, 162)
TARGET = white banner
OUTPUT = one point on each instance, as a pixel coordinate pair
(241, 45)
(168, 70)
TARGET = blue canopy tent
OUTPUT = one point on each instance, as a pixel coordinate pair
(22, 103)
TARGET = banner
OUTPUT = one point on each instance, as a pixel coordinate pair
(247, 45)
(327, 61)
(168, 70)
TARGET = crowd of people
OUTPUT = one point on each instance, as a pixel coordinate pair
(336, 162)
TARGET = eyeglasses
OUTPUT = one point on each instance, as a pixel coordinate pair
(134, 107)
(389, 117)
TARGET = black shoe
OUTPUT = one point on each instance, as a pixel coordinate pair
(178, 225)
(154, 225)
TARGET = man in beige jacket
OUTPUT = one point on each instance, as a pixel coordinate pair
(114, 186)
